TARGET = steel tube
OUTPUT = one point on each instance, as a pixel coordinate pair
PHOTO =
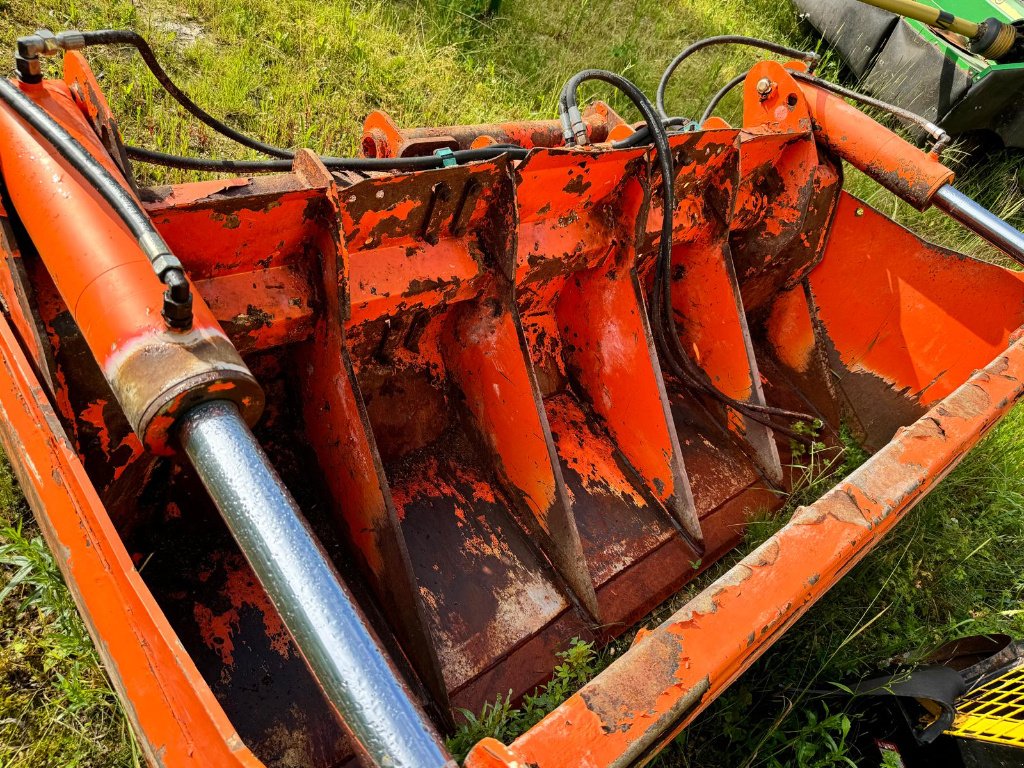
(933, 17)
(980, 220)
(319, 612)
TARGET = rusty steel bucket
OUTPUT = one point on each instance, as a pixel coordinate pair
(467, 434)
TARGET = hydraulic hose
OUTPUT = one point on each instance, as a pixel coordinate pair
(45, 43)
(721, 94)
(575, 131)
(49, 43)
(767, 45)
(941, 138)
(177, 306)
(137, 41)
(666, 334)
(426, 162)
(643, 134)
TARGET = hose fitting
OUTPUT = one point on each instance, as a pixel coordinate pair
(43, 43)
(177, 303)
(579, 128)
(177, 306)
(567, 134)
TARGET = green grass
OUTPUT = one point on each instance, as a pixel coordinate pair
(56, 706)
(300, 72)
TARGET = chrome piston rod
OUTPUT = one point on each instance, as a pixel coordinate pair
(319, 612)
(980, 220)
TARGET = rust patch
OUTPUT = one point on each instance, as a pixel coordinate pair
(229, 220)
(243, 589)
(254, 318)
(972, 401)
(577, 186)
(837, 504)
(620, 700)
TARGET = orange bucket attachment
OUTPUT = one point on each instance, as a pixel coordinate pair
(464, 395)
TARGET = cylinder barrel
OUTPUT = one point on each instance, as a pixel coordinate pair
(108, 283)
(889, 159)
(321, 615)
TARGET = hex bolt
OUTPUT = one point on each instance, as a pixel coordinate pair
(764, 87)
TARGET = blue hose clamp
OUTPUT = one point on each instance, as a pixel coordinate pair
(447, 157)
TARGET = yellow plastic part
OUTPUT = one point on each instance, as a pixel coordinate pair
(993, 711)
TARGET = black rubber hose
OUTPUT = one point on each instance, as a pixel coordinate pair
(574, 130)
(942, 138)
(134, 39)
(722, 93)
(137, 41)
(662, 321)
(662, 318)
(79, 158)
(643, 134)
(178, 298)
(659, 134)
(215, 165)
(754, 42)
(206, 164)
(911, 118)
(663, 324)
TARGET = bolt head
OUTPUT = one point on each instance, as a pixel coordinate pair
(764, 86)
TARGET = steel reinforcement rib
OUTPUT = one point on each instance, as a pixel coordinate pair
(672, 673)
